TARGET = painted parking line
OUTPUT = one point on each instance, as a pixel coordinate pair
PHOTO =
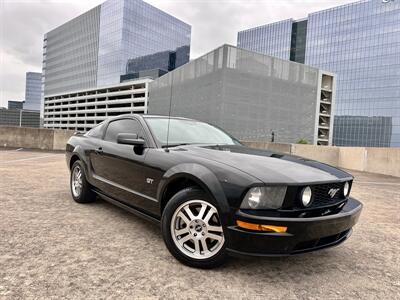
(26, 159)
(10, 150)
(377, 183)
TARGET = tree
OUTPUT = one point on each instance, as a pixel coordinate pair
(302, 141)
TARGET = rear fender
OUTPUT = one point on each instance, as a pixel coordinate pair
(80, 152)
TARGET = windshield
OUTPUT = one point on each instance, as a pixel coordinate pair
(188, 132)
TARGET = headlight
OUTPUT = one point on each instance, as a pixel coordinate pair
(267, 197)
(346, 189)
(305, 196)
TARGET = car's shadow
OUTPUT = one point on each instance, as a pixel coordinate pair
(312, 263)
(131, 218)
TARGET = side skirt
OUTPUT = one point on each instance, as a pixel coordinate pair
(128, 208)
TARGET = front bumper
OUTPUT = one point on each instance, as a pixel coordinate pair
(303, 234)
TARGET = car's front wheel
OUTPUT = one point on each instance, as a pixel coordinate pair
(192, 229)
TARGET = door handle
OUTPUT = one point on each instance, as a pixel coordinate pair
(99, 150)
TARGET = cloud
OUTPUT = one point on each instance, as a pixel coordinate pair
(24, 22)
(22, 26)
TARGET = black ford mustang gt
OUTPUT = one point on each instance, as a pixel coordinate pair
(212, 195)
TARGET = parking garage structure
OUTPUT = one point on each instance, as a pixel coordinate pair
(82, 110)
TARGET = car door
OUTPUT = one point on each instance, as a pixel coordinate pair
(95, 138)
(122, 167)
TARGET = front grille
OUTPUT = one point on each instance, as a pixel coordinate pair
(322, 203)
(321, 196)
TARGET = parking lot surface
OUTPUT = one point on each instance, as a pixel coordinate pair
(52, 247)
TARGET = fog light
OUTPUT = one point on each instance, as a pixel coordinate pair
(346, 189)
(306, 196)
(261, 227)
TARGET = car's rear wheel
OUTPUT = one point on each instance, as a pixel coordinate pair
(80, 188)
(192, 229)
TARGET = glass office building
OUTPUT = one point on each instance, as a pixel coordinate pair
(362, 130)
(19, 117)
(70, 54)
(272, 39)
(12, 104)
(93, 49)
(33, 89)
(165, 60)
(360, 42)
(132, 29)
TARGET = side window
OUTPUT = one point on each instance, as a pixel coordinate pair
(96, 132)
(123, 126)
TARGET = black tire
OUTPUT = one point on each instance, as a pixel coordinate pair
(184, 196)
(86, 194)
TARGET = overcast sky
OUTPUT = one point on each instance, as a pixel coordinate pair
(214, 22)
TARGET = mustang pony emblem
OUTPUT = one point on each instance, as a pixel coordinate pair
(332, 192)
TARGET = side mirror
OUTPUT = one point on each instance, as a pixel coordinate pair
(130, 139)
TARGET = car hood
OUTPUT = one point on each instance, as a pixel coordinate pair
(268, 166)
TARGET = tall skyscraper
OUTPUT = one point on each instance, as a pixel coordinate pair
(91, 55)
(93, 49)
(272, 39)
(360, 42)
(33, 87)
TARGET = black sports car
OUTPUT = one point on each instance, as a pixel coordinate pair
(211, 195)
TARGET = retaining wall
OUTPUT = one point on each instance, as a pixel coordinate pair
(34, 138)
(376, 160)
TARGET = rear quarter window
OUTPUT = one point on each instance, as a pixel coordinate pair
(96, 132)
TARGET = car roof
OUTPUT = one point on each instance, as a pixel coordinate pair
(166, 117)
(147, 117)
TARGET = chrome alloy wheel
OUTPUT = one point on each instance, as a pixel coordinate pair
(196, 229)
(76, 181)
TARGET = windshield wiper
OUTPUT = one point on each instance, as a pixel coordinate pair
(175, 145)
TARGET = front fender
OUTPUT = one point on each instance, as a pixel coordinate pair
(204, 177)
